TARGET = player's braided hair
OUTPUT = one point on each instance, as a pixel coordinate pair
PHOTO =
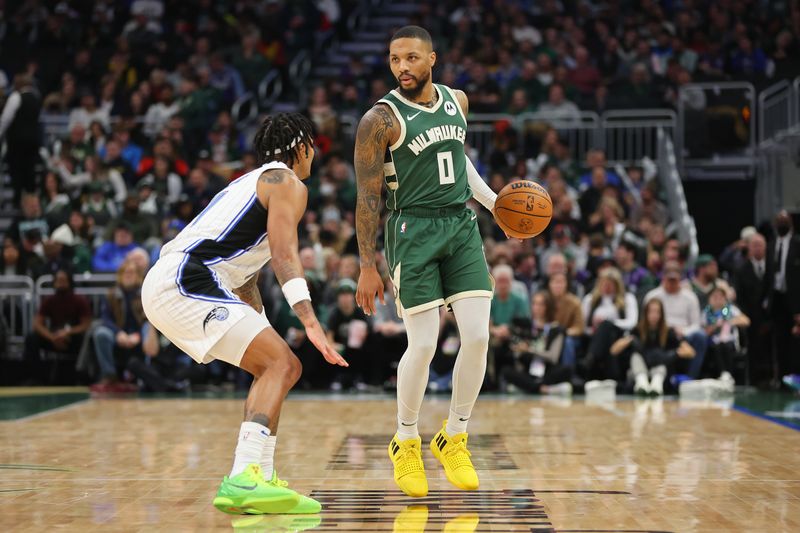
(279, 138)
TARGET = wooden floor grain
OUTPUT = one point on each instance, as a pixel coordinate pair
(646, 465)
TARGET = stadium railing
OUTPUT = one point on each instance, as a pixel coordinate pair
(775, 110)
(671, 184)
(94, 286)
(581, 133)
(631, 135)
(16, 305)
(778, 174)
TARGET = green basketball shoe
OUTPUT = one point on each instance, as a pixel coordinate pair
(304, 505)
(248, 493)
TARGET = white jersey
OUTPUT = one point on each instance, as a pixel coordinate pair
(229, 237)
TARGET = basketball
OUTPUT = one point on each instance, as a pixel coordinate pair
(523, 209)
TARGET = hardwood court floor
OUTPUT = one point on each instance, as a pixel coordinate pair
(568, 466)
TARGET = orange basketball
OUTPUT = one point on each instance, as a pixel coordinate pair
(523, 209)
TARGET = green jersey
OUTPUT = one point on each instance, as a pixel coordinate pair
(426, 167)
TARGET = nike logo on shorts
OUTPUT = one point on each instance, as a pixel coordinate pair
(474, 216)
(412, 117)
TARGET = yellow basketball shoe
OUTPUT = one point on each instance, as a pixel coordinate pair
(452, 452)
(412, 519)
(409, 472)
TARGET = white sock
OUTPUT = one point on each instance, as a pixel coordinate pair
(267, 457)
(455, 425)
(252, 438)
(406, 430)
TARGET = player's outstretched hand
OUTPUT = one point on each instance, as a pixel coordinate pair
(370, 285)
(318, 339)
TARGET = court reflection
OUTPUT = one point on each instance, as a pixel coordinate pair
(448, 511)
(274, 523)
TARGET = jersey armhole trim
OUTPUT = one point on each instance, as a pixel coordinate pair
(458, 104)
(399, 142)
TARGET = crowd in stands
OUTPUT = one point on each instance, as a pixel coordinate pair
(608, 292)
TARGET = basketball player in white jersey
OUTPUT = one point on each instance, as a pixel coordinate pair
(202, 295)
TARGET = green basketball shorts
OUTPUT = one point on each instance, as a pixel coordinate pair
(435, 257)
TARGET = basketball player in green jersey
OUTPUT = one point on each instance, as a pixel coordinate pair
(413, 141)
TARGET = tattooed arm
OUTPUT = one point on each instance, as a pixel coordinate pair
(250, 294)
(377, 131)
(283, 215)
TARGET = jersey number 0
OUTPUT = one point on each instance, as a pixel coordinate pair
(446, 173)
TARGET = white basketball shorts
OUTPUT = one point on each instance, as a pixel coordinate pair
(186, 302)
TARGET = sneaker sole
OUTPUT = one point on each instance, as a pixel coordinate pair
(453, 481)
(277, 505)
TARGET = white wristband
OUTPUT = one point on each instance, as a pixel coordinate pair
(296, 290)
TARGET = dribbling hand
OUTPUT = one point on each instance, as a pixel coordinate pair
(370, 285)
(318, 339)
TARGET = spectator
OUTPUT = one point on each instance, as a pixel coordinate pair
(528, 82)
(390, 338)
(590, 198)
(88, 112)
(484, 90)
(568, 315)
(536, 349)
(348, 329)
(597, 158)
(113, 160)
(167, 185)
(783, 279)
(250, 62)
(682, 312)
(637, 92)
(29, 228)
(17, 261)
(225, 79)
(61, 321)
(706, 279)
(735, 255)
(748, 60)
(142, 225)
(159, 113)
(654, 348)
(610, 312)
(636, 278)
(584, 76)
(19, 127)
(109, 178)
(649, 207)
(75, 236)
(119, 337)
(54, 201)
(98, 207)
(110, 255)
(722, 321)
(507, 305)
(750, 283)
(526, 271)
(557, 107)
(130, 152)
(199, 190)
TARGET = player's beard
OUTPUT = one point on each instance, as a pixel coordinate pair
(413, 94)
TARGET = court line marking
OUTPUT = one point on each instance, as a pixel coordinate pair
(49, 411)
(762, 416)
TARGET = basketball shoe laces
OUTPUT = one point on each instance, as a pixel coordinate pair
(412, 463)
(457, 455)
